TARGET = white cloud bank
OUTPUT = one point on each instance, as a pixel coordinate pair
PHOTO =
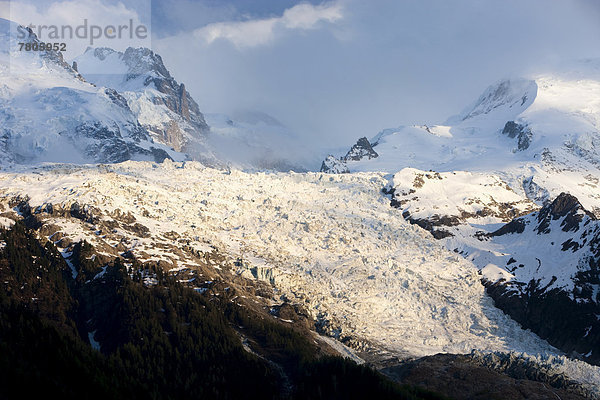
(263, 31)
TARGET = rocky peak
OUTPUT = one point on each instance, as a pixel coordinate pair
(360, 150)
(568, 208)
(144, 61)
(140, 74)
(357, 152)
(333, 165)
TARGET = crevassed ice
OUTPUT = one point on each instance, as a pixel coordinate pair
(330, 240)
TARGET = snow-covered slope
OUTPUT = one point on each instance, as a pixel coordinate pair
(560, 114)
(520, 145)
(49, 113)
(161, 104)
(544, 269)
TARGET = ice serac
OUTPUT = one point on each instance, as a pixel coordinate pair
(48, 112)
(162, 105)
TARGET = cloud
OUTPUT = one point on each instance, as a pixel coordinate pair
(241, 34)
(263, 31)
(399, 62)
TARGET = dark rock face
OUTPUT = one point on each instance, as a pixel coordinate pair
(514, 226)
(521, 132)
(184, 107)
(107, 143)
(360, 150)
(117, 98)
(160, 155)
(564, 322)
(484, 377)
(84, 213)
(432, 224)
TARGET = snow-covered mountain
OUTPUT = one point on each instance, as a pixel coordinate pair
(511, 183)
(245, 139)
(111, 106)
(544, 270)
(161, 104)
(49, 113)
(521, 128)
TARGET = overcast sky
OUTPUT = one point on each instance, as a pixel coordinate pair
(337, 70)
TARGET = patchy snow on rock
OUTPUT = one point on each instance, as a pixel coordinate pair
(6, 222)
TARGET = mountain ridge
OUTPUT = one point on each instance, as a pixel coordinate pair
(50, 113)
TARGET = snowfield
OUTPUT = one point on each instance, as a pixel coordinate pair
(330, 241)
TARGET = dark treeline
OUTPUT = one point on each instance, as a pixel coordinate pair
(162, 342)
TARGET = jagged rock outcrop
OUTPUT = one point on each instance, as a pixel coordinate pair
(162, 105)
(333, 165)
(359, 151)
(565, 207)
(362, 149)
(519, 131)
